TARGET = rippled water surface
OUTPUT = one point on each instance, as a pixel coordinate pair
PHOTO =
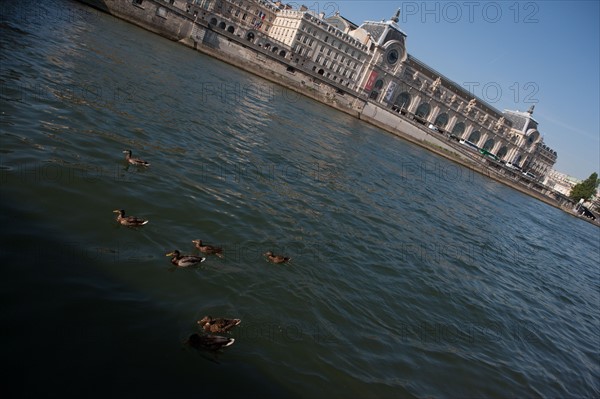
(410, 276)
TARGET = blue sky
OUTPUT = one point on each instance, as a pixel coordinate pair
(512, 54)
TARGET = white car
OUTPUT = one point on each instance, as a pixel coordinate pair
(433, 127)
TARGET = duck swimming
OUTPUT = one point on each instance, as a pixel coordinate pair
(134, 161)
(208, 249)
(218, 325)
(208, 342)
(184, 260)
(129, 220)
(277, 258)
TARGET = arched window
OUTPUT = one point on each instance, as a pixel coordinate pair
(441, 120)
(321, 71)
(474, 137)
(282, 53)
(489, 144)
(250, 36)
(213, 21)
(230, 29)
(423, 110)
(458, 129)
(502, 152)
(517, 160)
(222, 25)
(403, 100)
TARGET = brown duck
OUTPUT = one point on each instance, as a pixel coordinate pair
(184, 260)
(277, 258)
(208, 249)
(134, 161)
(129, 220)
(208, 342)
(218, 325)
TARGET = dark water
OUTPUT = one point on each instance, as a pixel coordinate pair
(410, 277)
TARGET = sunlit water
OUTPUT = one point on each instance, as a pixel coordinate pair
(410, 276)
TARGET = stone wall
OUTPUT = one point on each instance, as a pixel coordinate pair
(155, 16)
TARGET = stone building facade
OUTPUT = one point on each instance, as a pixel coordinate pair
(320, 47)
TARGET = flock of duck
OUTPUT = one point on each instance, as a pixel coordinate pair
(207, 338)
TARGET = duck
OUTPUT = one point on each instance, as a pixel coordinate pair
(208, 249)
(129, 220)
(184, 260)
(217, 325)
(277, 258)
(209, 342)
(134, 161)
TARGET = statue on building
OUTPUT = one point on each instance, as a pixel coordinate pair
(416, 75)
(453, 99)
(436, 84)
(396, 17)
(499, 123)
(530, 110)
(484, 118)
(471, 105)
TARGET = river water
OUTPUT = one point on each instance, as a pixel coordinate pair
(410, 276)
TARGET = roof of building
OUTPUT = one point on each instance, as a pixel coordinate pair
(347, 22)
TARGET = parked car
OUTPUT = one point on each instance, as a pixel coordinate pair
(433, 127)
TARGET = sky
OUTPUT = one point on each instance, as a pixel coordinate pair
(513, 54)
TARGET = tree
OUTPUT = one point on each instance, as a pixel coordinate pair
(586, 188)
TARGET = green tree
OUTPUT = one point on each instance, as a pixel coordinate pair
(586, 188)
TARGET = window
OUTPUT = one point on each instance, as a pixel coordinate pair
(441, 120)
(458, 129)
(138, 2)
(423, 110)
(403, 100)
(161, 12)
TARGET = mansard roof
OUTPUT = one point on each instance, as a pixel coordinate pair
(377, 29)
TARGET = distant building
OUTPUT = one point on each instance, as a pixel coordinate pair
(321, 47)
(398, 81)
(560, 182)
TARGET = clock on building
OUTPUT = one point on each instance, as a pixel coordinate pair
(392, 56)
